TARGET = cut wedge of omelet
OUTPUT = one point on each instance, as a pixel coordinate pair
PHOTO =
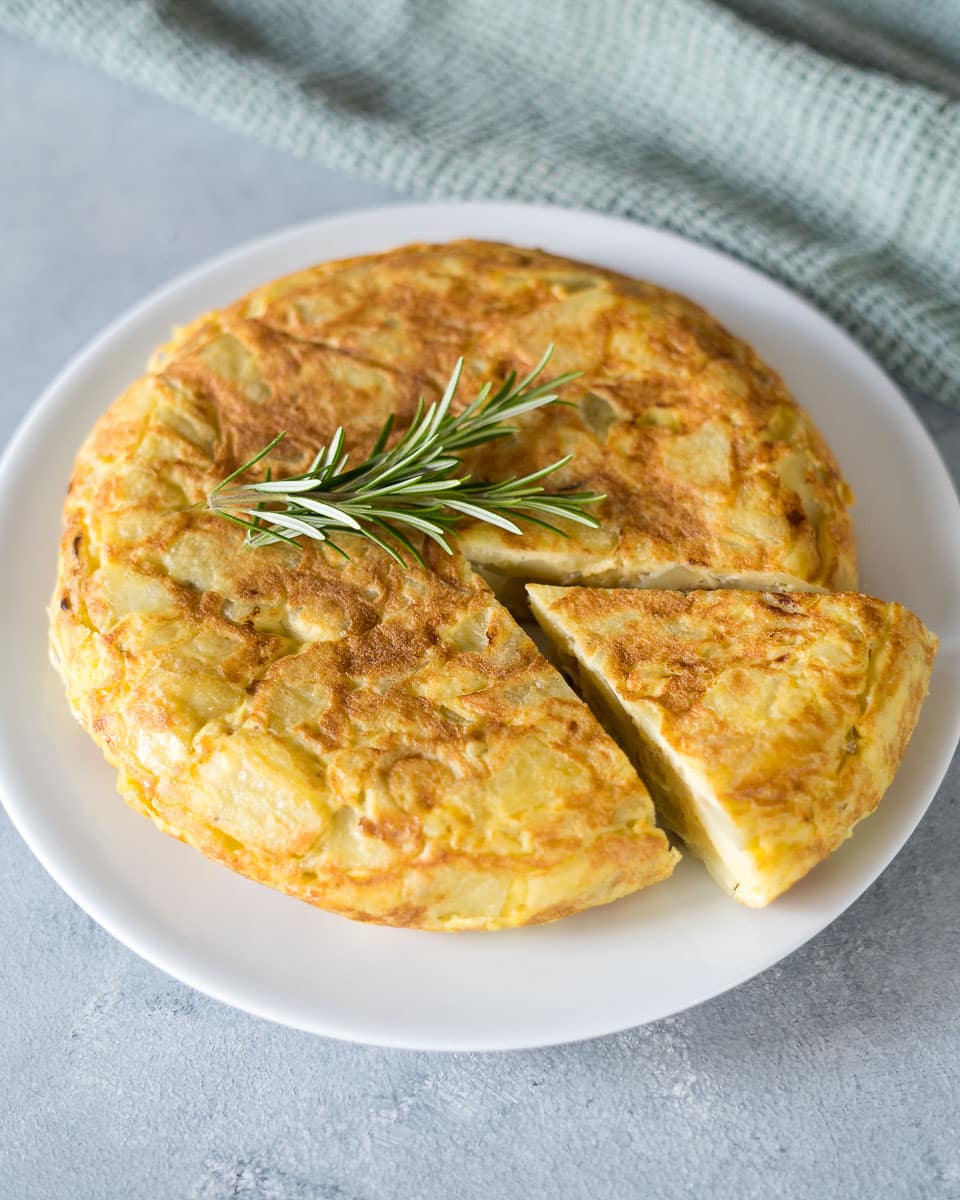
(766, 725)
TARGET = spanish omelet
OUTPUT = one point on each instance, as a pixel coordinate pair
(385, 743)
(765, 725)
(713, 475)
(388, 744)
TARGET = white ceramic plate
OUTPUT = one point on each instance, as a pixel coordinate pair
(651, 955)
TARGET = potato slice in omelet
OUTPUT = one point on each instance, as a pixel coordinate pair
(766, 725)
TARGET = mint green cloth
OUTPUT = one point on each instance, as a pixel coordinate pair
(818, 141)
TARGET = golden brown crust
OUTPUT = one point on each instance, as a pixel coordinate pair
(793, 711)
(387, 744)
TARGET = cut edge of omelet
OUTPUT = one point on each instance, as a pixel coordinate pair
(509, 580)
(686, 801)
(679, 790)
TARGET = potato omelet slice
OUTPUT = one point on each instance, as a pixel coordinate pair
(765, 725)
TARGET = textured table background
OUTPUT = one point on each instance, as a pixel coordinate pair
(835, 1074)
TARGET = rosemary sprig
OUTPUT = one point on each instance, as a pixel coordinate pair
(413, 485)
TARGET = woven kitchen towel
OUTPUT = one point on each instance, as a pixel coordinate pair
(817, 139)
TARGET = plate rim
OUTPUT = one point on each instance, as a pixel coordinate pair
(49, 400)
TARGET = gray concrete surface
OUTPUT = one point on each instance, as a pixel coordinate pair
(833, 1075)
